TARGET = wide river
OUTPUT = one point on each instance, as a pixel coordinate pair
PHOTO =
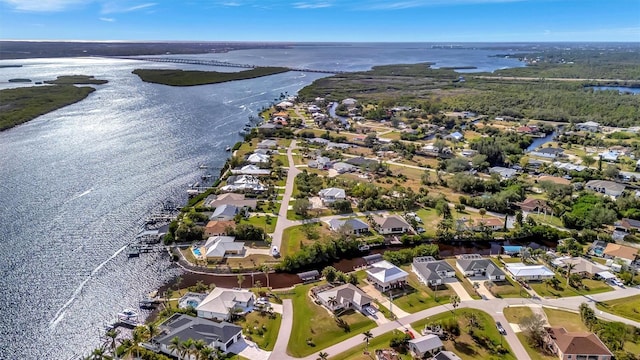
(77, 183)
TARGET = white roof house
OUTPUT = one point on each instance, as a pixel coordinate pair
(347, 296)
(504, 172)
(330, 195)
(225, 212)
(267, 144)
(251, 170)
(386, 276)
(220, 246)
(258, 158)
(243, 182)
(520, 271)
(221, 301)
(355, 225)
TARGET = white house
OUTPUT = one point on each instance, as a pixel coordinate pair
(243, 183)
(331, 195)
(432, 272)
(219, 247)
(588, 126)
(520, 271)
(216, 335)
(251, 170)
(345, 296)
(225, 212)
(386, 276)
(610, 155)
(221, 302)
(606, 187)
(549, 153)
(258, 158)
(505, 173)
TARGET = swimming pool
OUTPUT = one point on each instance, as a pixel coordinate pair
(197, 252)
(193, 303)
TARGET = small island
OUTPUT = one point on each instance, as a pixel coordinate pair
(177, 77)
(20, 105)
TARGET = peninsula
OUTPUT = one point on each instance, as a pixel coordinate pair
(177, 77)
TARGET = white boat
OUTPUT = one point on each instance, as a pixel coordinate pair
(363, 247)
(228, 148)
(128, 314)
(203, 166)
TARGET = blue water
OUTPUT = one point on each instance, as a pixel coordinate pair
(78, 183)
(620, 89)
(197, 252)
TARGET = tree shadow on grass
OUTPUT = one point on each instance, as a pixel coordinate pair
(464, 348)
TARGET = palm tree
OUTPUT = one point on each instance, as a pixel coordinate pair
(175, 345)
(137, 336)
(99, 353)
(332, 302)
(240, 280)
(323, 356)
(570, 267)
(367, 336)
(207, 353)
(198, 345)
(266, 269)
(187, 348)
(476, 286)
(455, 302)
(547, 283)
(151, 331)
(112, 336)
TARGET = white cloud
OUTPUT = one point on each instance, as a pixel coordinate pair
(43, 5)
(120, 7)
(307, 5)
(107, 19)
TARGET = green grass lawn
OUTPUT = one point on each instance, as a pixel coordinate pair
(592, 287)
(378, 342)
(568, 320)
(548, 219)
(261, 222)
(423, 297)
(311, 321)
(515, 315)
(534, 354)
(508, 288)
(283, 159)
(296, 236)
(465, 347)
(628, 307)
(262, 329)
(291, 215)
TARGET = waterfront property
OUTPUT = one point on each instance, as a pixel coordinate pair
(221, 303)
(238, 200)
(627, 254)
(391, 224)
(219, 335)
(581, 266)
(251, 169)
(191, 299)
(218, 227)
(474, 265)
(219, 247)
(577, 345)
(243, 183)
(353, 226)
(343, 297)
(386, 276)
(432, 272)
(520, 271)
(225, 213)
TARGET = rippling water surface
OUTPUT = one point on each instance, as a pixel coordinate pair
(77, 183)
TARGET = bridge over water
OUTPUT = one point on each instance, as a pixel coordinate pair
(221, 63)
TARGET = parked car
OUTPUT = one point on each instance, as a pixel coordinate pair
(370, 310)
(501, 329)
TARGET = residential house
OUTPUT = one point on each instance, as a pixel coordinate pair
(535, 205)
(216, 335)
(340, 146)
(626, 254)
(313, 109)
(606, 187)
(577, 345)
(267, 128)
(321, 162)
(309, 276)
(318, 141)
(251, 170)
(474, 265)
(432, 272)
(346, 296)
(468, 152)
(568, 166)
(610, 155)
(527, 130)
(243, 183)
(446, 355)
(343, 167)
(549, 153)
(582, 266)
(222, 302)
(219, 247)
(331, 195)
(520, 271)
(372, 259)
(267, 144)
(455, 136)
(225, 212)
(391, 224)
(349, 102)
(355, 226)
(258, 158)
(284, 105)
(628, 225)
(490, 223)
(424, 346)
(386, 276)
(505, 173)
(588, 126)
(218, 227)
(237, 200)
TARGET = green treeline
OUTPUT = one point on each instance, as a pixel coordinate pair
(177, 77)
(76, 79)
(20, 105)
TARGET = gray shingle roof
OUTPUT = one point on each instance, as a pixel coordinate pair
(189, 327)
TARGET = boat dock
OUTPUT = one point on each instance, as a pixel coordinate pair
(134, 250)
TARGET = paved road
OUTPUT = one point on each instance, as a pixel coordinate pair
(283, 222)
(280, 349)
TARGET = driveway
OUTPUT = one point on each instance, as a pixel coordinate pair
(249, 350)
(376, 294)
(482, 290)
(280, 349)
(283, 222)
(460, 291)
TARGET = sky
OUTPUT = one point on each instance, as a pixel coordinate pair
(322, 20)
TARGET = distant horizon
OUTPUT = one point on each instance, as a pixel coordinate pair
(430, 21)
(322, 42)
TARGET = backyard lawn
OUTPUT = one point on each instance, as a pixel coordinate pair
(314, 328)
(591, 287)
(378, 342)
(423, 297)
(293, 238)
(568, 320)
(628, 307)
(265, 222)
(262, 329)
(464, 346)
